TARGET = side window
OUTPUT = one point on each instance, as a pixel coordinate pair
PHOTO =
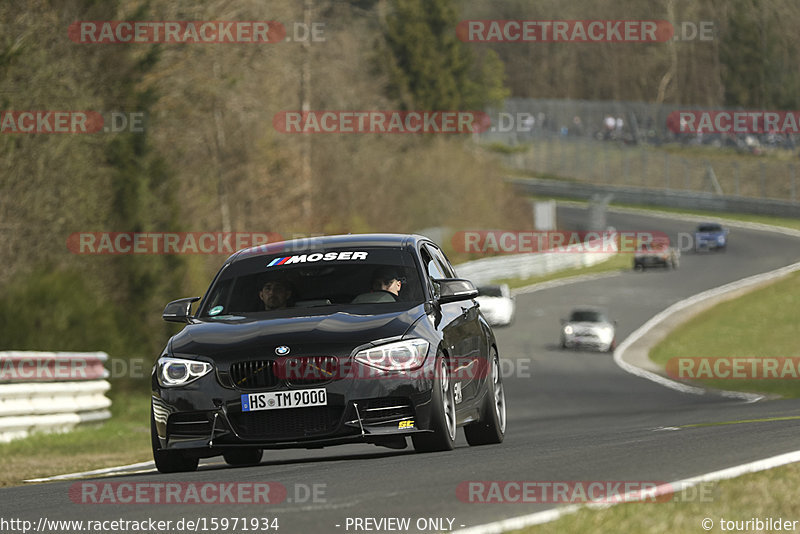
(432, 267)
(445, 266)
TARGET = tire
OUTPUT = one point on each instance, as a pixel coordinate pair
(169, 461)
(243, 457)
(491, 429)
(443, 418)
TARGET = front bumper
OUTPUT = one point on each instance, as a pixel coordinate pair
(207, 418)
(709, 243)
(589, 340)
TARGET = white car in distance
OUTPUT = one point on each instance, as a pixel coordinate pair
(497, 304)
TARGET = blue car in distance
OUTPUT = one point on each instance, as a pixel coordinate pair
(710, 236)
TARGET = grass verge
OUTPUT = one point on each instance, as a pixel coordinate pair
(766, 494)
(123, 439)
(762, 323)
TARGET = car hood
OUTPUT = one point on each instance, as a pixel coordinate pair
(717, 233)
(584, 325)
(314, 331)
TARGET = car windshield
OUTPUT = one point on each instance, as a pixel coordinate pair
(709, 228)
(490, 291)
(336, 277)
(587, 316)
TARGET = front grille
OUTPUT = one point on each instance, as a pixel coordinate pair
(254, 374)
(309, 370)
(294, 423)
(189, 425)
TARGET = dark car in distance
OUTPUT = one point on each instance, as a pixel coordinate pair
(659, 255)
(340, 360)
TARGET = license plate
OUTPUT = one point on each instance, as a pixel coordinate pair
(277, 400)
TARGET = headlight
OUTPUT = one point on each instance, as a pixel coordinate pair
(568, 330)
(606, 333)
(179, 372)
(399, 356)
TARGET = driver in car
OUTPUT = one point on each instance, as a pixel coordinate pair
(275, 294)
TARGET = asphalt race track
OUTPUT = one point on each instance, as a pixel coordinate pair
(576, 417)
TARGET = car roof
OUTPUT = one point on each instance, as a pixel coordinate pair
(318, 243)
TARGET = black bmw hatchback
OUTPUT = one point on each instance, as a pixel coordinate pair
(324, 341)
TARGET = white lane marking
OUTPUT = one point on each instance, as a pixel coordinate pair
(104, 471)
(681, 305)
(546, 516)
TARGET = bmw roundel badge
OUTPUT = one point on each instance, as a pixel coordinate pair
(283, 350)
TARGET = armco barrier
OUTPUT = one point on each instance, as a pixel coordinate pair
(51, 391)
(659, 197)
(526, 265)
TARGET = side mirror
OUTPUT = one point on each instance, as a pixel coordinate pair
(454, 290)
(179, 311)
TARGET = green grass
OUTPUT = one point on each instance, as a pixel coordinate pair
(123, 439)
(616, 263)
(502, 148)
(762, 323)
(765, 494)
(675, 167)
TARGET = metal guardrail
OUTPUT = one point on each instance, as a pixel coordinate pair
(51, 391)
(526, 265)
(659, 197)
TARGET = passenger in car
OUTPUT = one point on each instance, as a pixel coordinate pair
(388, 279)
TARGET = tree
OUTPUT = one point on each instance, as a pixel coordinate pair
(429, 67)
